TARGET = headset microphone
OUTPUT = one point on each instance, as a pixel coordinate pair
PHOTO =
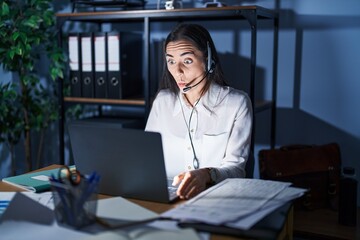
(187, 88)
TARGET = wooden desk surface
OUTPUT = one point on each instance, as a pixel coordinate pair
(323, 224)
(285, 233)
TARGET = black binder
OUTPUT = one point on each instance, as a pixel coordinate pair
(87, 64)
(74, 64)
(100, 65)
(124, 65)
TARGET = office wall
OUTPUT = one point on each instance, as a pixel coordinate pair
(318, 76)
(318, 71)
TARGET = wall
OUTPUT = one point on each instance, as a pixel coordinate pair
(318, 76)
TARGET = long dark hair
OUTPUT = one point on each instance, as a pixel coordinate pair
(201, 39)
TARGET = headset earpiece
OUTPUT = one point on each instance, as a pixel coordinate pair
(210, 61)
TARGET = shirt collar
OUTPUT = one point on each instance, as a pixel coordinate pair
(178, 103)
(211, 98)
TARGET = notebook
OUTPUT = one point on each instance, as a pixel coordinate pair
(129, 161)
(35, 181)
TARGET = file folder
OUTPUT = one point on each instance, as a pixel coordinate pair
(124, 64)
(74, 64)
(114, 77)
(100, 65)
(87, 65)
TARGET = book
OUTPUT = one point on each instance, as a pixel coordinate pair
(34, 181)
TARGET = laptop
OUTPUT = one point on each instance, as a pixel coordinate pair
(130, 162)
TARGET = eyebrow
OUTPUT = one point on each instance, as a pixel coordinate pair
(183, 54)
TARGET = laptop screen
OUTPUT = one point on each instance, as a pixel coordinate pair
(129, 161)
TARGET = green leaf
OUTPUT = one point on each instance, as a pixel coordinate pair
(27, 47)
(4, 9)
(15, 35)
(12, 53)
(56, 72)
(48, 18)
(23, 37)
(32, 22)
(19, 50)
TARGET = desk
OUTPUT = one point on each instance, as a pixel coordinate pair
(284, 233)
(323, 224)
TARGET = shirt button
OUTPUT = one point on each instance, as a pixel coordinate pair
(189, 167)
(192, 130)
(189, 148)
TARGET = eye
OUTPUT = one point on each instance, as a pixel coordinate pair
(188, 61)
(170, 62)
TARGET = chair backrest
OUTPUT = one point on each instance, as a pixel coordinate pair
(250, 165)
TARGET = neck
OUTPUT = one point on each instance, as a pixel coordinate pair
(192, 99)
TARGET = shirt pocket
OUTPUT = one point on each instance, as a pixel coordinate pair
(213, 148)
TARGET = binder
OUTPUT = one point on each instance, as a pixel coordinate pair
(87, 84)
(74, 64)
(124, 51)
(113, 57)
(100, 65)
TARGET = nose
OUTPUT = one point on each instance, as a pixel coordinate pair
(179, 70)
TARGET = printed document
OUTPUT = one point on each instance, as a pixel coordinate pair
(229, 201)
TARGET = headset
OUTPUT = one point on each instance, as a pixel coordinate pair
(210, 61)
(209, 69)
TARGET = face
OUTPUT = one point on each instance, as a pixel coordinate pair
(185, 63)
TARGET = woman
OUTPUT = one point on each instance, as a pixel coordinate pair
(205, 124)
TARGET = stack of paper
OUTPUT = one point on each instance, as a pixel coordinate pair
(30, 216)
(236, 202)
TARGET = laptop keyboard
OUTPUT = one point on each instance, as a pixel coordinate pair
(172, 192)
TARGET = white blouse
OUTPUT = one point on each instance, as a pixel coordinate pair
(220, 128)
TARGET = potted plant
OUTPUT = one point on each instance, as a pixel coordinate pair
(27, 35)
(11, 123)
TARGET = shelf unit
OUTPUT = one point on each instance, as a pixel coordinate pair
(123, 4)
(249, 13)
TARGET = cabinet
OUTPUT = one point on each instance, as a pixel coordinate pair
(251, 14)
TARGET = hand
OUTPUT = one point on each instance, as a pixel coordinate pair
(191, 183)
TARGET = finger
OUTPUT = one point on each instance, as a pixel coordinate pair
(188, 185)
(193, 192)
(177, 179)
(185, 182)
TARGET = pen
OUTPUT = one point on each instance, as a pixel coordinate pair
(66, 210)
(90, 186)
